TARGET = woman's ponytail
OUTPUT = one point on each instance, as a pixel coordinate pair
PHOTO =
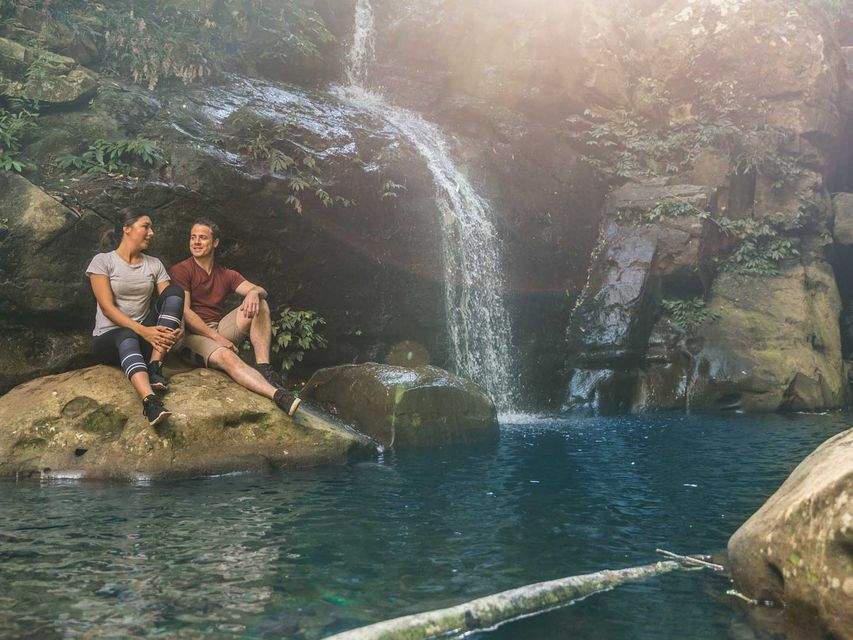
(111, 238)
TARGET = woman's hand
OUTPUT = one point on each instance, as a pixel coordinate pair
(161, 338)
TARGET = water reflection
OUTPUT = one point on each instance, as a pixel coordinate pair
(304, 554)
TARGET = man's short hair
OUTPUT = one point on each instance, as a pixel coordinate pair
(207, 222)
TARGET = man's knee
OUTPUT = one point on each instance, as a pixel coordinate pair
(224, 359)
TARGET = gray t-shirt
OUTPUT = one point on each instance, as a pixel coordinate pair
(133, 286)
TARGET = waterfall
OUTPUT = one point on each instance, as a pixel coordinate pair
(478, 321)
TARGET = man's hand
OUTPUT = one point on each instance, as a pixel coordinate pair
(225, 342)
(177, 334)
(250, 305)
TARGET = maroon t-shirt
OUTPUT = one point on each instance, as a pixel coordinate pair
(207, 291)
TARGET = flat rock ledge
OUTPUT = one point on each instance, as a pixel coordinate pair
(88, 424)
(797, 549)
(405, 408)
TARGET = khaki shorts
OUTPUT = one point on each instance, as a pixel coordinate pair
(197, 348)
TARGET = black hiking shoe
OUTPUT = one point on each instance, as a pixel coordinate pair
(269, 373)
(154, 410)
(287, 401)
(155, 376)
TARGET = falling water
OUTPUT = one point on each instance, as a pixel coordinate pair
(477, 318)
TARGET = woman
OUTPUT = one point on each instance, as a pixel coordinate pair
(133, 326)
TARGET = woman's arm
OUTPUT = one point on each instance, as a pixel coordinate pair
(159, 337)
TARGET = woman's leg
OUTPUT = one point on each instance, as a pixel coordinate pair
(169, 312)
(124, 348)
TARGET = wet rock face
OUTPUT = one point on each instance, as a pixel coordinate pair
(373, 269)
(88, 423)
(797, 549)
(405, 408)
(842, 205)
(632, 262)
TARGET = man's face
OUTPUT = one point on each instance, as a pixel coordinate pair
(202, 243)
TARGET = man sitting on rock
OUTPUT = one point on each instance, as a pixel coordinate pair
(212, 336)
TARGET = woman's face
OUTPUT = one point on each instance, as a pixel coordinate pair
(139, 234)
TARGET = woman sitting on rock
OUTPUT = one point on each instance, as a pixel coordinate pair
(134, 328)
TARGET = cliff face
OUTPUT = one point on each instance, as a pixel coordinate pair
(748, 101)
(718, 127)
(721, 125)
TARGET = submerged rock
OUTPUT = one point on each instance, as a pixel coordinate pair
(797, 549)
(88, 423)
(404, 408)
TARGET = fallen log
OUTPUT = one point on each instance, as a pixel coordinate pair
(492, 611)
(691, 560)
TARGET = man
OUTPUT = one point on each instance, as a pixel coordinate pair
(212, 336)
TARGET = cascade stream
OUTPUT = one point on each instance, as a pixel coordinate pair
(478, 322)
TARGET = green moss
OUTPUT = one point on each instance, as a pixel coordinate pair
(105, 420)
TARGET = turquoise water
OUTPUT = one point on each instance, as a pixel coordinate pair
(304, 554)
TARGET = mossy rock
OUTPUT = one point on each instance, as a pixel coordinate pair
(89, 423)
(797, 549)
(405, 408)
(35, 74)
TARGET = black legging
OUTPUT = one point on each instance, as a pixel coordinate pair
(124, 347)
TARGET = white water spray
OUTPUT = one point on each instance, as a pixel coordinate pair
(474, 285)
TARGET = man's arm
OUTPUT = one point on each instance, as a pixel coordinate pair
(199, 326)
(252, 296)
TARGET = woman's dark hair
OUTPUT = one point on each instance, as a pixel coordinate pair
(207, 222)
(127, 217)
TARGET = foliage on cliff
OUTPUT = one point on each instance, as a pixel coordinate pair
(151, 41)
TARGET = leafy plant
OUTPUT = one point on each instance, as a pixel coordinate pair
(13, 126)
(760, 247)
(152, 42)
(391, 189)
(688, 314)
(671, 207)
(117, 156)
(295, 333)
(38, 72)
(268, 142)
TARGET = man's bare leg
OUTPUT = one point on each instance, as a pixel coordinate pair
(244, 375)
(260, 332)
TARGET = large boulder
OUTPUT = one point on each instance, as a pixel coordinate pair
(44, 250)
(405, 408)
(88, 424)
(33, 74)
(775, 342)
(35, 349)
(797, 549)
